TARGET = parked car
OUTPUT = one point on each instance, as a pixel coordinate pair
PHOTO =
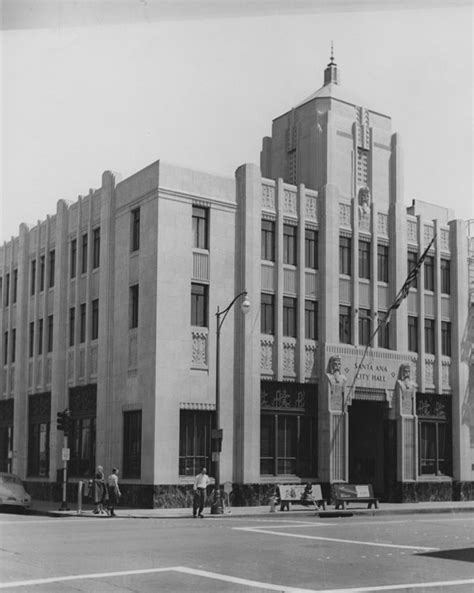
(12, 492)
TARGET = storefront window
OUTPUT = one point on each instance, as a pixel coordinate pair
(434, 434)
(194, 441)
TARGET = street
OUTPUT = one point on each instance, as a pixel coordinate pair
(282, 552)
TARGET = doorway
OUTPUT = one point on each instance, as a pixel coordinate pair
(366, 444)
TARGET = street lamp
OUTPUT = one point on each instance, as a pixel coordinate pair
(217, 508)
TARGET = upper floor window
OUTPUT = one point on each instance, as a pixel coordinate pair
(96, 248)
(13, 352)
(412, 260)
(199, 305)
(383, 340)
(5, 348)
(268, 240)
(33, 277)
(42, 272)
(289, 317)
(289, 244)
(412, 334)
(52, 263)
(267, 313)
(7, 290)
(49, 340)
(31, 348)
(200, 227)
(345, 322)
(311, 249)
(429, 336)
(82, 324)
(345, 266)
(311, 320)
(40, 337)
(428, 264)
(84, 254)
(365, 327)
(95, 319)
(364, 259)
(15, 286)
(382, 263)
(135, 230)
(73, 255)
(72, 325)
(446, 338)
(134, 301)
(445, 276)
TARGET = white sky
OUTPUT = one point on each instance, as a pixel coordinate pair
(202, 93)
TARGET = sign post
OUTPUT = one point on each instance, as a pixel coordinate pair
(64, 424)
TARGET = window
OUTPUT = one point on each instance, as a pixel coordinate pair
(134, 304)
(135, 229)
(199, 305)
(434, 434)
(95, 319)
(82, 445)
(364, 259)
(445, 276)
(42, 271)
(96, 248)
(73, 262)
(267, 314)
(82, 324)
(365, 327)
(132, 444)
(446, 338)
(311, 320)
(268, 240)
(52, 263)
(429, 336)
(200, 227)
(383, 333)
(428, 264)
(40, 337)
(345, 333)
(31, 346)
(345, 266)
(50, 333)
(411, 263)
(72, 323)
(412, 334)
(311, 249)
(84, 254)
(38, 449)
(382, 263)
(33, 277)
(7, 290)
(195, 429)
(13, 352)
(1, 291)
(289, 317)
(289, 244)
(5, 348)
(15, 286)
(6, 443)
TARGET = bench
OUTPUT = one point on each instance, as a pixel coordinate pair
(300, 494)
(345, 493)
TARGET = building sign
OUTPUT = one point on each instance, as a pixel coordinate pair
(279, 395)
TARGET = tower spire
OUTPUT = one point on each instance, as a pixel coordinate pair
(331, 74)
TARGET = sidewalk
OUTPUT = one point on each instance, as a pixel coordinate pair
(48, 508)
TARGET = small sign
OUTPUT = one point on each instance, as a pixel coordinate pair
(227, 487)
(362, 491)
(66, 454)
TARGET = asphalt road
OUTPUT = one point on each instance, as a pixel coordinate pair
(297, 552)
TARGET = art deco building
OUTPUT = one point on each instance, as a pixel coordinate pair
(108, 310)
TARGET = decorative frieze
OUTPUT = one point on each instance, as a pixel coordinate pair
(268, 197)
(199, 348)
(446, 373)
(433, 406)
(411, 231)
(49, 369)
(82, 363)
(311, 208)
(344, 215)
(382, 223)
(289, 202)
(429, 372)
(289, 356)
(428, 233)
(266, 355)
(93, 360)
(310, 360)
(201, 406)
(444, 239)
(279, 395)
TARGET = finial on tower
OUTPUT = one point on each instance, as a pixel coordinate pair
(331, 73)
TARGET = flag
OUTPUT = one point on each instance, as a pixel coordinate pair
(403, 292)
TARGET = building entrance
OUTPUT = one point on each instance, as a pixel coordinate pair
(366, 444)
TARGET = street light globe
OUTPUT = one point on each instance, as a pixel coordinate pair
(245, 306)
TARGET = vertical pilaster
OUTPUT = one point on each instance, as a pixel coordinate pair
(300, 285)
(421, 376)
(278, 347)
(355, 272)
(437, 370)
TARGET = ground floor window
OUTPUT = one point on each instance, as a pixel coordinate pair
(434, 435)
(288, 427)
(39, 420)
(82, 437)
(6, 434)
(132, 444)
(195, 428)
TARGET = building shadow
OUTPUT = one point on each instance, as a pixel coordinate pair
(461, 554)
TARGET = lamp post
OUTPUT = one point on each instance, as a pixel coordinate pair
(217, 434)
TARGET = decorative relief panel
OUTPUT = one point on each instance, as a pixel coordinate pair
(199, 348)
(382, 223)
(266, 355)
(30, 374)
(311, 207)
(289, 202)
(70, 365)
(289, 280)
(94, 354)
(12, 379)
(39, 373)
(268, 197)
(411, 231)
(428, 233)
(310, 361)
(200, 266)
(310, 284)
(82, 362)
(268, 274)
(429, 372)
(444, 239)
(289, 352)
(49, 368)
(446, 373)
(344, 215)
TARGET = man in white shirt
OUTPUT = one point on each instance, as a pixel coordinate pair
(200, 484)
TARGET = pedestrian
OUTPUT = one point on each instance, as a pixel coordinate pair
(100, 491)
(114, 491)
(200, 484)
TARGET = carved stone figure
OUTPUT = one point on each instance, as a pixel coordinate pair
(406, 389)
(364, 202)
(337, 382)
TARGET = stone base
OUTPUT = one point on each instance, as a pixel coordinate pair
(423, 491)
(463, 491)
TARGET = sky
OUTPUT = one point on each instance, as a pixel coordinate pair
(199, 85)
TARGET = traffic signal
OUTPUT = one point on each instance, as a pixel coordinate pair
(64, 421)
